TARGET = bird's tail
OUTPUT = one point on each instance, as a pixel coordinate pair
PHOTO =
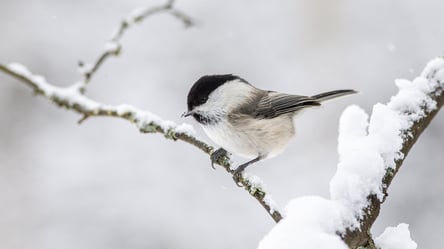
(333, 94)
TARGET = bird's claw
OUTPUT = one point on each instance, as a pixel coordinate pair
(218, 156)
(237, 176)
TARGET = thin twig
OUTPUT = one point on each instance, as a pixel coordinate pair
(72, 98)
(113, 47)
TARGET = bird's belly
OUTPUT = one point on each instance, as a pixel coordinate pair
(258, 140)
(231, 140)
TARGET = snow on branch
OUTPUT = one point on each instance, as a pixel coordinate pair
(113, 47)
(396, 238)
(371, 152)
(369, 162)
(73, 98)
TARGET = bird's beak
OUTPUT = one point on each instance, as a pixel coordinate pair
(186, 114)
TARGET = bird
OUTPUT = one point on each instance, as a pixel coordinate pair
(247, 121)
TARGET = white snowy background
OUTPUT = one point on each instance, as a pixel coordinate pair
(104, 185)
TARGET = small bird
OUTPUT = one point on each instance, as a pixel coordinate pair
(245, 120)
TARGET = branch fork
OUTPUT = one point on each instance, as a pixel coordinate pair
(73, 98)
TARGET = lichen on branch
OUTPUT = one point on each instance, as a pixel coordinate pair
(73, 98)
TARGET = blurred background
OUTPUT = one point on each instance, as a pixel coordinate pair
(104, 185)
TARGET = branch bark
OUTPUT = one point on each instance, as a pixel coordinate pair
(362, 236)
(113, 47)
(73, 98)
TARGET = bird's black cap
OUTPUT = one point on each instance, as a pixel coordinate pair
(204, 86)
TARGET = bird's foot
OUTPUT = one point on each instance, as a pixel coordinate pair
(220, 156)
(237, 173)
(237, 176)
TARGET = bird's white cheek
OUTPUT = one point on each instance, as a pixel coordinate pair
(226, 98)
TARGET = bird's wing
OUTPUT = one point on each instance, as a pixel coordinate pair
(274, 104)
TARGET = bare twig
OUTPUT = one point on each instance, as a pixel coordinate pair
(72, 98)
(113, 47)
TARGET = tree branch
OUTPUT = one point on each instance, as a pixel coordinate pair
(371, 152)
(113, 47)
(73, 98)
(435, 76)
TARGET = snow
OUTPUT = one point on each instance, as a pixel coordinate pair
(255, 181)
(72, 96)
(434, 72)
(111, 47)
(145, 118)
(268, 199)
(367, 148)
(38, 80)
(135, 14)
(310, 222)
(353, 179)
(186, 129)
(123, 109)
(19, 69)
(413, 97)
(396, 238)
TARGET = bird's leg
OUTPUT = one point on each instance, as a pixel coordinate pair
(237, 174)
(218, 156)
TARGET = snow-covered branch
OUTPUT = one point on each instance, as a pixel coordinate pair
(73, 98)
(375, 150)
(371, 152)
(371, 149)
(113, 46)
